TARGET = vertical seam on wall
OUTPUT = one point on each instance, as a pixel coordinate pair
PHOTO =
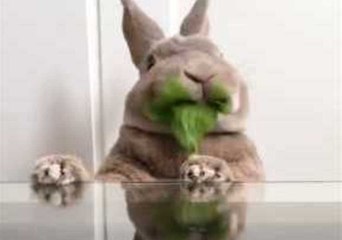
(95, 85)
(339, 92)
(95, 79)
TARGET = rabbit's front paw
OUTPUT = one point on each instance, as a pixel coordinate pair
(200, 168)
(59, 170)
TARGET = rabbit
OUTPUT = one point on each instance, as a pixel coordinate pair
(147, 150)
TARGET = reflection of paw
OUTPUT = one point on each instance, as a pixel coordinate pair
(206, 192)
(59, 196)
(59, 170)
(200, 168)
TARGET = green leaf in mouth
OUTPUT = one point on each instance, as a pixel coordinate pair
(189, 120)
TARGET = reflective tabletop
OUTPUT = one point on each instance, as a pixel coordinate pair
(175, 211)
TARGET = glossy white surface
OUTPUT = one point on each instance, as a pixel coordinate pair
(274, 211)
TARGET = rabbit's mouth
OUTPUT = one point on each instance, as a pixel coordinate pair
(189, 120)
(173, 94)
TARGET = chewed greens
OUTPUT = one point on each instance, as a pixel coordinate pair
(189, 120)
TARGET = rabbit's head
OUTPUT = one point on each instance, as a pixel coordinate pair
(188, 67)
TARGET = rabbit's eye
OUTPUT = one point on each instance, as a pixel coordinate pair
(150, 62)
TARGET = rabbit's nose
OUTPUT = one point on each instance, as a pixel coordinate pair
(196, 78)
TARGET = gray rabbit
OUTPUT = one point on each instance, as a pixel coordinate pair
(147, 149)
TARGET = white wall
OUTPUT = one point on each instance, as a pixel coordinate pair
(44, 83)
(288, 51)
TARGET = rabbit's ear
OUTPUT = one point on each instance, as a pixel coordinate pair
(196, 22)
(140, 31)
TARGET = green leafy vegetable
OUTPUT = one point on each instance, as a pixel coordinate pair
(189, 120)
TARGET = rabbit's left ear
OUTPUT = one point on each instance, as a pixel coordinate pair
(140, 31)
(196, 22)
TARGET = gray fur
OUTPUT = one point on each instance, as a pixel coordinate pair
(140, 31)
(196, 22)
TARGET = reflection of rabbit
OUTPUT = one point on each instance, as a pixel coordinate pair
(211, 211)
(57, 195)
(146, 149)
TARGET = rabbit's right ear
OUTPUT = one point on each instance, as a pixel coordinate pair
(140, 31)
